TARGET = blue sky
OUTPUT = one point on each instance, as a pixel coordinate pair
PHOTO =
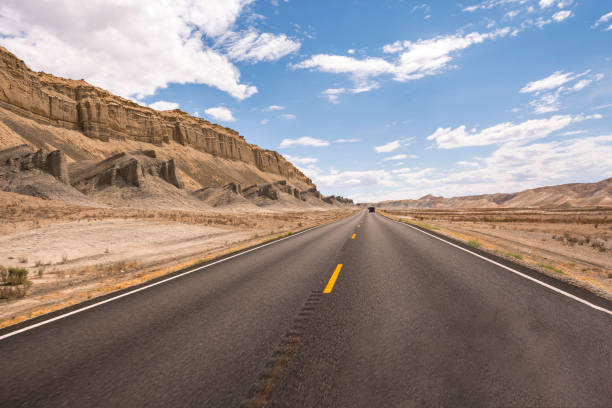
(372, 99)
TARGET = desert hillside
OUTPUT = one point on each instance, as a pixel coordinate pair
(114, 152)
(562, 196)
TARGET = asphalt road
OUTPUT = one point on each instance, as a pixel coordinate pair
(409, 321)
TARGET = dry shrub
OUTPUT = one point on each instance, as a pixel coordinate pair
(13, 282)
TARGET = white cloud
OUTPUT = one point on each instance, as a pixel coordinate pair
(397, 157)
(402, 170)
(553, 81)
(604, 19)
(555, 85)
(301, 160)
(467, 163)
(288, 116)
(389, 147)
(509, 133)
(510, 168)
(220, 113)
(547, 103)
(354, 179)
(333, 93)
(264, 121)
(414, 60)
(561, 15)
(132, 47)
(546, 3)
(303, 141)
(252, 46)
(351, 51)
(580, 85)
(575, 132)
(346, 140)
(488, 4)
(274, 108)
(164, 105)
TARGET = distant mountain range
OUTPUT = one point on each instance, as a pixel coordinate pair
(561, 196)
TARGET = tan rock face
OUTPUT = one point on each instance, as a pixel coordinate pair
(101, 115)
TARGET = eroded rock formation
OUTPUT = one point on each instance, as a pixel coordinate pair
(23, 158)
(131, 169)
(77, 105)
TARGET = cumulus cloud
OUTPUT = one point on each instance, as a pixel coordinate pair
(414, 60)
(346, 140)
(164, 105)
(252, 46)
(220, 113)
(507, 132)
(389, 147)
(509, 168)
(288, 116)
(301, 160)
(354, 179)
(135, 47)
(303, 141)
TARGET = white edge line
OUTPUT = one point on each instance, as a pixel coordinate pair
(551, 287)
(131, 292)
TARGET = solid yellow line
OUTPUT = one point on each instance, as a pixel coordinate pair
(332, 280)
(353, 237)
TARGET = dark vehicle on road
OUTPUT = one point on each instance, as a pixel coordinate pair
(371, 209)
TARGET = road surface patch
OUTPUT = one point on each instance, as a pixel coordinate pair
(260, 392)
(539, 282)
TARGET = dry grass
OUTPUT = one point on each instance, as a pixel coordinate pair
(21, 213)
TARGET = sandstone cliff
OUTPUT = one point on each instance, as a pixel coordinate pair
(77, 105)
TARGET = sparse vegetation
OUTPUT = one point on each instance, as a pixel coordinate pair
(551, 268)
(513, 255)
(474, 244)
(14, 282)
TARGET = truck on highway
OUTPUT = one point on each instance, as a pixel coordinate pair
(371, 209)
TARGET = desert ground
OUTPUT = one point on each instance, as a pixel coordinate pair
(574, 245)
(73, 253)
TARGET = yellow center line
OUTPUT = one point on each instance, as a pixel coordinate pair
(332, 280)
(359, 226)
(353, 237)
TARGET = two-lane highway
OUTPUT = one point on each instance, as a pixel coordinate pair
(362, 312)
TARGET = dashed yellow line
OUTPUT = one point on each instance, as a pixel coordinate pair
(332, 280)
(354, 235)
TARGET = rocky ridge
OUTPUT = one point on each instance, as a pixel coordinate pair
(561, 196)
(77, 105)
